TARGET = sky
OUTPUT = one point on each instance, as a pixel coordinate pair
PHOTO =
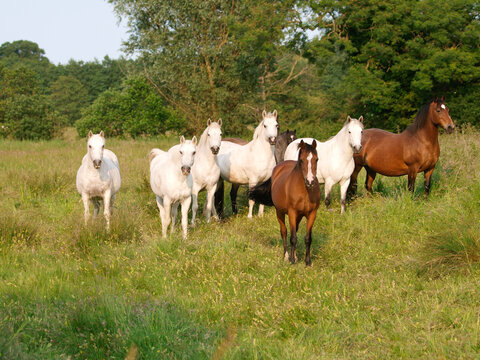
(65, 29)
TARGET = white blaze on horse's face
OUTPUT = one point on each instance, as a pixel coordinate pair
(187, 150)
(270, 126)
(214, 133)
(310, 176)
(355, 130)
(95, 147)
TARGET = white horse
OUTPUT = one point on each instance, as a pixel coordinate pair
(335, 157)
(205, 170)
(252, 163)
(98, 178)
(171, 182)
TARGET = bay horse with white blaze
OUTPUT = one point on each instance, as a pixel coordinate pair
(296, 192)
(414, 150)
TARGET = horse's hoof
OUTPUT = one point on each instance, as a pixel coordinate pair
(285, 257)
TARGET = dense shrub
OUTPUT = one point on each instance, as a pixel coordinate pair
(24, 113)
(134, 110)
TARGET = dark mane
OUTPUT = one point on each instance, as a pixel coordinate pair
(420, 118)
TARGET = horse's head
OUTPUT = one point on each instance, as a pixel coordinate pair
(214, 134)
(307, 159)
(290, 135)
(187, 150)
(354, 131)
(440, 114)
(95, 147)
(270, 126)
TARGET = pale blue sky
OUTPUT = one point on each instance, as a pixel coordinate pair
(65, 29)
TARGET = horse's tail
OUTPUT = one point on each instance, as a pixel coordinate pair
(262, 193)
(153, 153)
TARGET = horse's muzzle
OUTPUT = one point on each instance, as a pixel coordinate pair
(357, 149)
(186, 170)
(215, 150)
(272, 140)
(97, 164)
(450, 128)
(310, 184)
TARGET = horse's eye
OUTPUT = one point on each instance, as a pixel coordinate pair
(208, 134)
(90, 146)
(181, 152)
(103, 146)
(349, 132)
(221, 134)
(265, 126)
(278, 126)
(194, 152)
(438, 110)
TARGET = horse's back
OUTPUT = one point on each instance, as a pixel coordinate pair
(383, 152)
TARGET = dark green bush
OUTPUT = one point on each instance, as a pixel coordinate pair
(134, 110)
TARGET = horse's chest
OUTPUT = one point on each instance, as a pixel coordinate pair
(97, 187)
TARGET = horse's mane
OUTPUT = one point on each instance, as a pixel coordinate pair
(203, 137)
(420, 118)
(258, 130)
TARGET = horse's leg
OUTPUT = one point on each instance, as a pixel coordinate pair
(233, 198)
(166, 215)
(292, 218)
(195, 191)
(209, 202)
(219, 197)
(86, 205)
(106, 208)
(328, 191)
(343, 193)
(352, 187)
(112, 201)
(185, 206)
(261, 208)
(308, 236)
(412, 176)
(427, 174)
(96, 207)
(283, 232)
(369, 179)
(174, 216)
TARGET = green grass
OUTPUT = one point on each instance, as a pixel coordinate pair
(394, 277)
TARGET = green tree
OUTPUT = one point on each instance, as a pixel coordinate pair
(385, 59)
(211, 58)
(27, 54)
(24, 112)
(136, 109)
(68, 97)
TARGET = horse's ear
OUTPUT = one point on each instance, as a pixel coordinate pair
(264, 113)
(349, 119)
(301, 144)
(219, 122)
(360, 118)
(194, 140)
(443, 98)
(90, 134)
(209, 121)
(314, 144)
(182, 139)
(102, 134)
(275, 113)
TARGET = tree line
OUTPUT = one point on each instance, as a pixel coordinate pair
(201, 59)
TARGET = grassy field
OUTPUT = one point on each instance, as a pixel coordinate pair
(394, 277)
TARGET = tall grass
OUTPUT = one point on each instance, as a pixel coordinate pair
(396, 276)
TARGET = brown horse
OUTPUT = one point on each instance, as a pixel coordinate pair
(296, 192)
(414, 150)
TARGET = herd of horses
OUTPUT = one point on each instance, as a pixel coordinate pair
(279, 169)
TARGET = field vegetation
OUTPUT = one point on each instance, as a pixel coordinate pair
(396, 276)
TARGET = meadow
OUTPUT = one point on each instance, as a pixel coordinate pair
(396, 276)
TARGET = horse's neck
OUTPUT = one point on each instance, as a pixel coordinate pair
(428, 132)
(259, 145)
(341, 142)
